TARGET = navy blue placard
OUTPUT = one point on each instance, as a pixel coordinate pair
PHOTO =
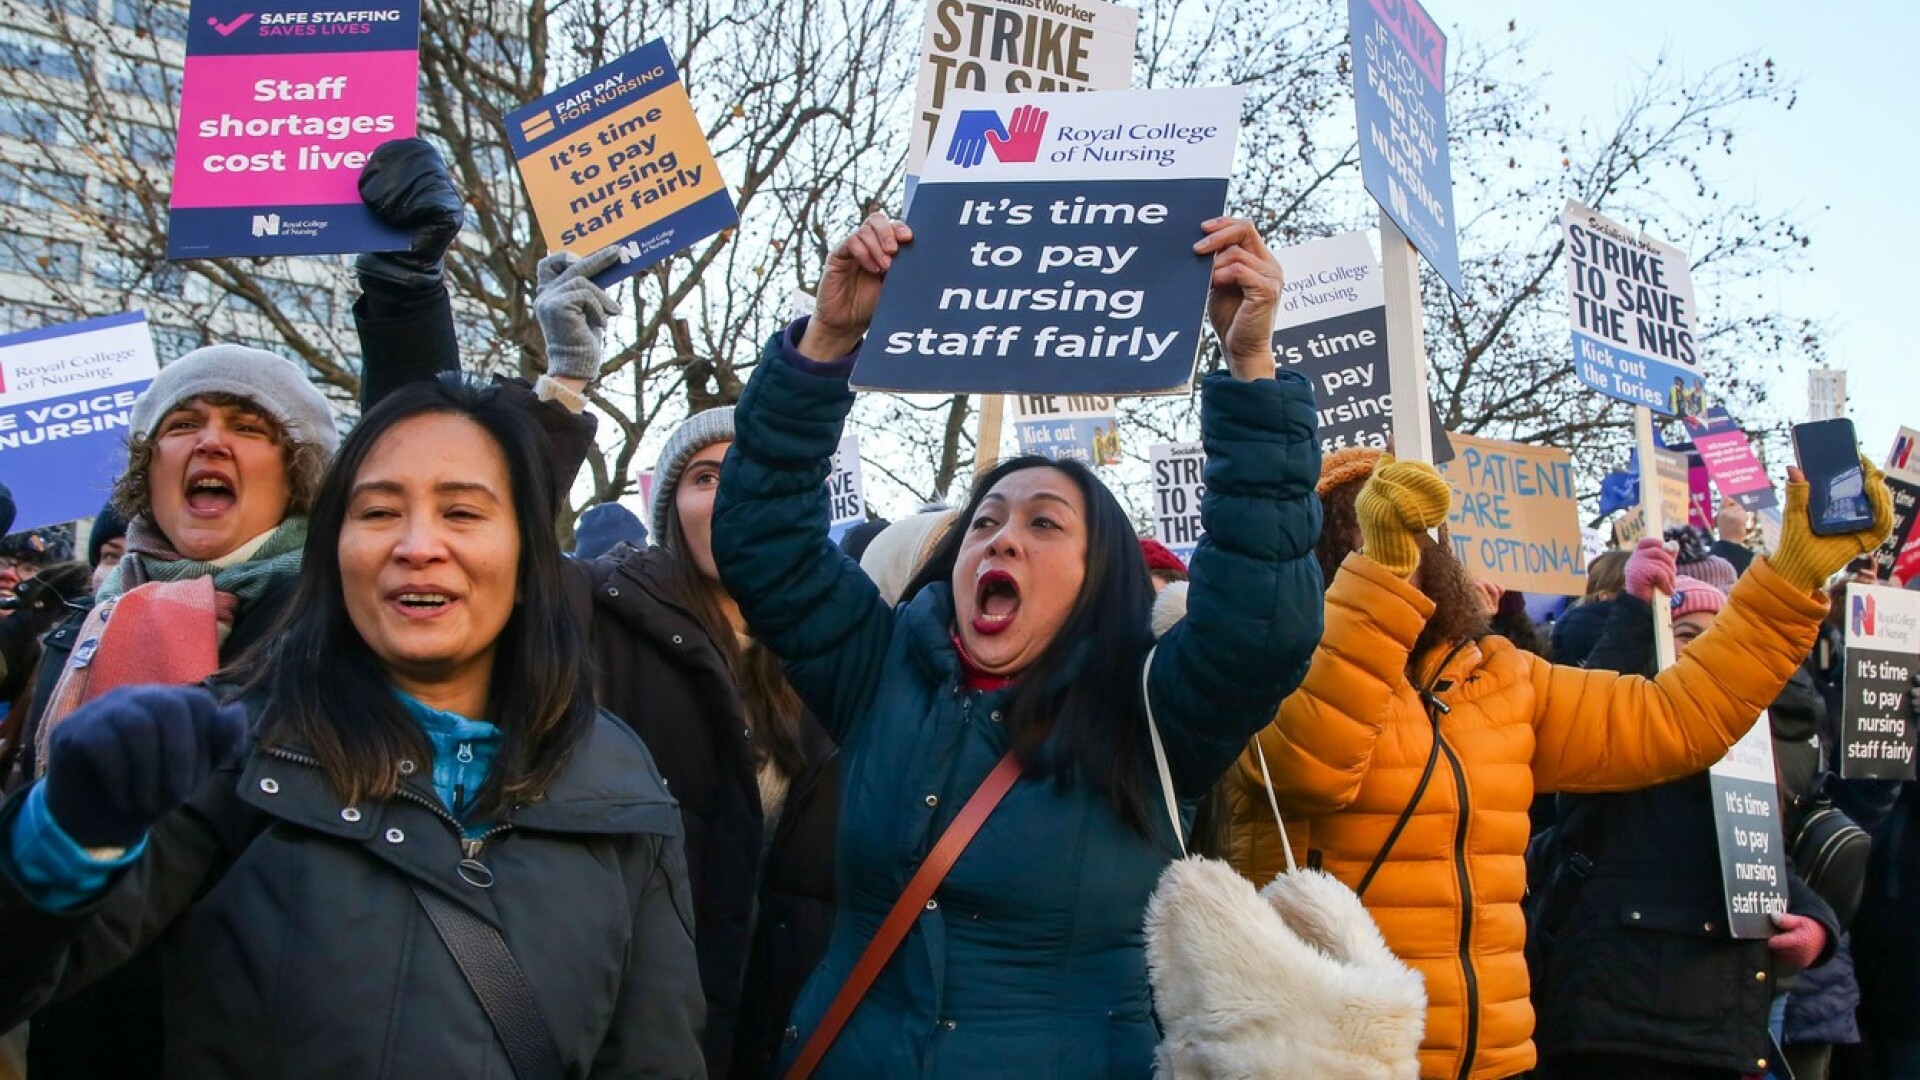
(1400, 103)
(277, 230)
(946, 324)
(246, 27)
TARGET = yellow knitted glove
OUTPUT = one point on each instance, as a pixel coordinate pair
(1402, 499)
(1807, 559)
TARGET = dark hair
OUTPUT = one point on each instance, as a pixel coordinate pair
(1075, 714)
(1459, 614)
(773, 708)
(324, 689)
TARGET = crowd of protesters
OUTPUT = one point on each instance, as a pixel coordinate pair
(326, 761)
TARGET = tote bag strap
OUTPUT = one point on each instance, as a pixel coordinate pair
(917, 895)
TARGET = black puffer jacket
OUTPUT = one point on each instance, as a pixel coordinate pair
(293, 945)
(659, 671)
(1628, 946)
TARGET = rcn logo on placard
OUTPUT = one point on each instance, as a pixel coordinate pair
(226, 29)
(266, 224)
(1014, 142)
(3, 380)
(1862, 615)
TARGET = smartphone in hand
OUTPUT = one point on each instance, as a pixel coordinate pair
(1830, 456)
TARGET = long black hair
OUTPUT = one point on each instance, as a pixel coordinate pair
(1076, 713)
(324, 689)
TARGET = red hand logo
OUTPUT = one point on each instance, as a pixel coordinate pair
(1023, 140)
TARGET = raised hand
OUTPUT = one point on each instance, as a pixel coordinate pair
(1247, 284)
(406, 184)
(573, 312)
(850, 287)
(121, 763)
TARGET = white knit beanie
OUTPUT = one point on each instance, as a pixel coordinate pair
(700, 431)
(897, 554)
(271, 382)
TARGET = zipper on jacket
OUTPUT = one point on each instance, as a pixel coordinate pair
(470, 868)
(1464, 815)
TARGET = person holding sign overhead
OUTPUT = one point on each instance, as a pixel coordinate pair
(1413, 749)
(1003, 708)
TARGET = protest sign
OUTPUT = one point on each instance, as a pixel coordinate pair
(1014, 47)
(1883, 651)
(1178, 484)
(66, 395)
(1061, 261)
(1630, 300)
(1897, 560)
(1746, 817)
(1081, 427)
(280, 107)
(617, 156)
(1515, 520)
(1332, 331)
(1699, 505)
(846, 489)
(1730, 460)
(1400, 104)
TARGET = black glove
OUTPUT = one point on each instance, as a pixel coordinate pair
(121, 763)
(41, 600)
(406, 184)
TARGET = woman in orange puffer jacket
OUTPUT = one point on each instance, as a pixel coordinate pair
(1408, 757)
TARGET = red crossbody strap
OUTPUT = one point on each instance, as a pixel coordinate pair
(894, 929)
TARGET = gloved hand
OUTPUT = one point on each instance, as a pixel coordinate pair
(121, 763)
(1809, 560)
(1401, 500)
(573, 312)
(1799, 942)
(407, 185)
(1650, 567)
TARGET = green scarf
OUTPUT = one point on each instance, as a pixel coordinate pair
(150, 557)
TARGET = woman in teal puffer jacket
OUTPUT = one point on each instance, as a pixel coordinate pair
(1026, 632)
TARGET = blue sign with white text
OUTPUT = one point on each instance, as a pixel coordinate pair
(1400, 103)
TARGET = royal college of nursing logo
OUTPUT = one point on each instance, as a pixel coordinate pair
(1014, 142)
(1862, 615)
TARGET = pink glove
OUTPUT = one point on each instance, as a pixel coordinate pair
(1651, 567)
(1799, 942)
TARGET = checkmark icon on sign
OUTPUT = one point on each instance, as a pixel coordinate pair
(227, 29)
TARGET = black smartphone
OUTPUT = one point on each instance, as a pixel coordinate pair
(1830, 456)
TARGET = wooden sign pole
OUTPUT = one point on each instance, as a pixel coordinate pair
(1656, 527)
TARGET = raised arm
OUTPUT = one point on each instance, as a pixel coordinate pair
(1253, 609)
(807, 601)
(1596, 731)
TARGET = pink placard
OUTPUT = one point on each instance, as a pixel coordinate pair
(322, 114)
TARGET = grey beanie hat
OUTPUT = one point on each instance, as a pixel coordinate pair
(272, 382)
(699, 432)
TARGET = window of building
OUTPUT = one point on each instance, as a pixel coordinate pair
(38, 256)
(21, 51)
(30, 122)
(145, 16)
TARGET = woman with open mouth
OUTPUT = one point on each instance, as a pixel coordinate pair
(1016, 658)
(403, 839)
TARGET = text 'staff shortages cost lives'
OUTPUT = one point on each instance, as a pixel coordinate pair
(66, 395)
(280, 107)
(618, 157)
(1053, 246)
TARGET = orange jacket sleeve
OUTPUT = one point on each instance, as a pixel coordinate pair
(1321, 742)
(1601, 731)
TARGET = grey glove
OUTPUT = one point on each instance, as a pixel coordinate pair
(573, 311)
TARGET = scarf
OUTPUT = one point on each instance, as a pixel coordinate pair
(162, 618)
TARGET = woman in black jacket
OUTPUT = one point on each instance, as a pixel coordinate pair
(1634, 972)
(430, 769)
(757, 779)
